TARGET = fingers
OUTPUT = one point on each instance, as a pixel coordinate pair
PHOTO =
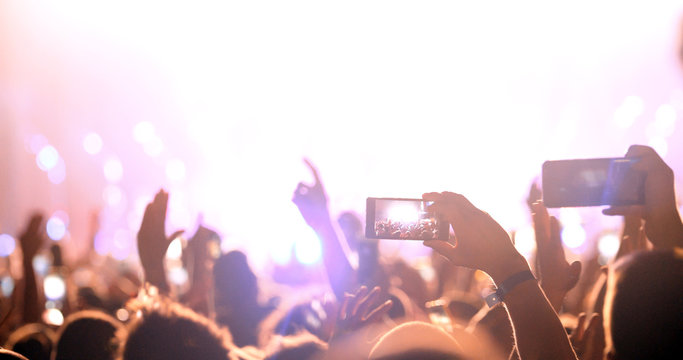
(632, 210)
(365, 303)
(314, 171)
(345, 305)
(378, 312)
(444, 248)
(175, 235)
(578, 332)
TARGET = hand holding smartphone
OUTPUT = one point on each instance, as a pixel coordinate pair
(403, 219)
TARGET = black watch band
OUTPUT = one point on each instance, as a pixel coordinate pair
(507, 286)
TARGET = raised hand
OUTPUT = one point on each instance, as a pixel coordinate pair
(32, 238)
(359, 309)
(153, 242)
(312, 201)
(632, 236)
(589, 342)
(481, 243)
(663, 225)
(555, 274)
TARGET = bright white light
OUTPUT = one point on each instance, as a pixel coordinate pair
(178, 276)
(143, 132)
(7, 286)
(665, 120)
(122, 314)
(175, 170)
(113, 170)
(7, 245)
(92, 143)
(281, 253)
(403, 213)
(53, 317)
(56, 228)
(525, 241)
(47, 158)
(629, 110)
(608, 245)
(307, 249)
(570, 216)
(154, 147)
(660, 145)
(175, 249)
(57, 174)
(54, 287)
(112, 195)
(574, 236)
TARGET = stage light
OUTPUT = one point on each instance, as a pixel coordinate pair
(56, 229)
(307, 249)
(92, 143)
(525, 240)
(403, 213)
(112, 195)
(573, 236)
(7, 286)
(629, 110)
(53, 317)
(175, 249)
(175, 170)
(7, 245)
(113, 170)
(54, 287)
(143, 132)
(608, 245)
(47, 158)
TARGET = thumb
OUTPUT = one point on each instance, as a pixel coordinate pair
(175, 235)
(444, 248)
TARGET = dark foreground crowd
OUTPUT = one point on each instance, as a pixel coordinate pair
(369, 306)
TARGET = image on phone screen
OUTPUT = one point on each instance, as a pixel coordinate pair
(403, 219)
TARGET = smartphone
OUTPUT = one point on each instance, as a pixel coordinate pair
(403, 219)
(592, 182)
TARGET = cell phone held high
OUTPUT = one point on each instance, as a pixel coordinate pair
(592, 182)
(403, 219)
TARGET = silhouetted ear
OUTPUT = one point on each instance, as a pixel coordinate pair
(574, 274)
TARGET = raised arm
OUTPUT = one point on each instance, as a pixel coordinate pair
(483, 244)
(312, 203)
(31, 240)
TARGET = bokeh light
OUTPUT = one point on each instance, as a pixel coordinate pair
(53, 317)
(57, 174)
(47, 158)
(175, 170)
(56, 226)
(113, 170)
(7, 245)
(175, 249)
(573, 236)
(608, 245)
(37, 143)
(41, 264)
(92, 143)
(7, 286)
(144, 132)
(54, 287)
(178, 276)
(112, 195)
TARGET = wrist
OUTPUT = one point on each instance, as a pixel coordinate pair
(508, 267)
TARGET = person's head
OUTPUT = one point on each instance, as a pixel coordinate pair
(35, 341)
(163, 329)
(233, 279)
(301, 346)
(416, 340)
(11, 355)
(644, 306)
(88, 334)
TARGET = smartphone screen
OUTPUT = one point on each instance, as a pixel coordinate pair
(592, 182)
(403, 219)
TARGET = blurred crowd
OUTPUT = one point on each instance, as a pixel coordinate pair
(480, 299)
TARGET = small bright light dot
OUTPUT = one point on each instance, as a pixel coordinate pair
(665, 120)
(629, 110)
(122, 315)
(57, 174)
(660, 145)
(92, 143)
(525, 241)
(112, 195)
(574, 236)
(56, 228)
(47, 158)
(307, 249)
(54, 287)
(178, 276)
(113, 170)
(7, 245)
(175, 249)
(608, 245)
(41, 264)
(153, 147)
(7, 286)
(175, 170)
(37, 142)
(53, 317)
(143, 132)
